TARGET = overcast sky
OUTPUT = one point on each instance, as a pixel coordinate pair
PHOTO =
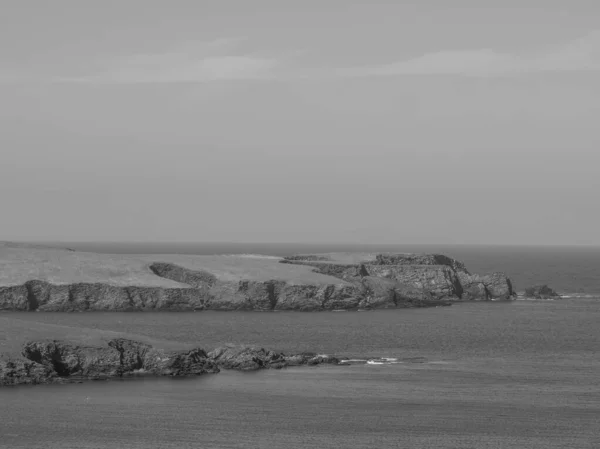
(301, 121)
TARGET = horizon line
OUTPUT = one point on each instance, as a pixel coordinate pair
(224, 242)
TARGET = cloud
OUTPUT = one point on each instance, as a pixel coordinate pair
(579, 55)
(191, 62)
(223, 60)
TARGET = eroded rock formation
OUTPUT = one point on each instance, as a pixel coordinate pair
(253, 358)
(421, 277)
(56, 361)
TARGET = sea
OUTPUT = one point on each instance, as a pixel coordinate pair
(523, 374)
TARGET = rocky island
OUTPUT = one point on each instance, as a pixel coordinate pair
(37, 278)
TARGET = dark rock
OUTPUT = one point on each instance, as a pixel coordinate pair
(486, 287)
(244, 358)
(423, 279)
(250, 358)
(178, 363)
(68, 360)
(121, 357)
(60, 362)
(383, 293)
(540, 292)
(19, 371)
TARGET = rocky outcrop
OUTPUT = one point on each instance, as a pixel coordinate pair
(486, 287)
(121, 357)
(56, 361)
(426, 277)
(541, 292)
(254, 358)
(16, 371)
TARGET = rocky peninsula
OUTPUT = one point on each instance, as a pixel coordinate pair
(38, 278)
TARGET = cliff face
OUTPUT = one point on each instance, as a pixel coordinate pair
(428, 276)
(336, 282)
(55, 361)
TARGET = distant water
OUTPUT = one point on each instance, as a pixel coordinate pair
(569, 270)
(506, 375)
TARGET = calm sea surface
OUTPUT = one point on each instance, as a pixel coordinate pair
(521, 375)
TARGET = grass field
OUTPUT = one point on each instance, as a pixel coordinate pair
(20, 263)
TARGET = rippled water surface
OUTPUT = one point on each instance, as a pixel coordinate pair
(461, 405)
(501, 375)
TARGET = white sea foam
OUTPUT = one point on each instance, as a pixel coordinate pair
(384, 361)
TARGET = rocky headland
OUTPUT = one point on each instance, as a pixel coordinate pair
(37, 278)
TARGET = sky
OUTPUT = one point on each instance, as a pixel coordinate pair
(431, 121)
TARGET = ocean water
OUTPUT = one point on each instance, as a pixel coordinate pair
(522, 374)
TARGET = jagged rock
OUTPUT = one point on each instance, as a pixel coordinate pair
(250, 358)
(18, 371)
(420, 259)
(439, 281)
(540, 292)
(67, 360)
(382, 293)
(178, 363)
(57, 361)
(244, 358)
(424, 277)
(121, 357)
(486, 287)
